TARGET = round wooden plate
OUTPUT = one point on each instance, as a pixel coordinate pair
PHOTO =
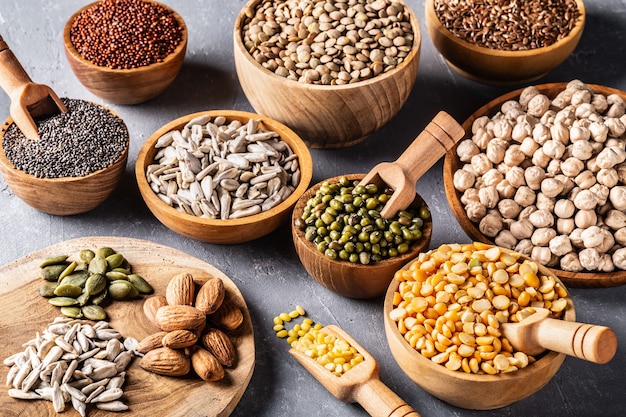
(452, 164)
(23, 313)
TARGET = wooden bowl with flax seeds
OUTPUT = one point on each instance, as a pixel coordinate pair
(245, 192)
(115, 65)
(513, 54)
(331, 82)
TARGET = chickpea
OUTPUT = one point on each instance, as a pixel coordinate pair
(463, 180)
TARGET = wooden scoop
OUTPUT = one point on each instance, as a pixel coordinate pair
(440, 135)
(360, 384)
(29, 101)
(538, 332)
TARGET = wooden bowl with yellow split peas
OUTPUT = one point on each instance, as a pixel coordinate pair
(461, 386)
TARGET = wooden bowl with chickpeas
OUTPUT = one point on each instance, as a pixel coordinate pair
(541, 171)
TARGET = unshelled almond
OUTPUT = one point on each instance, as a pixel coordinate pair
(180, 290)
(179, 339)
(166, 361)
(210, 295)
(148, 343)
(228, 317)
(220, 345)
(180, 317)
(206, 365)
(151, 305)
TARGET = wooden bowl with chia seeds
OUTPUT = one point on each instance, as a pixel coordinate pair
(329, 101)
(117, 81)
(52, 188)
(491, 60)
(223, 176)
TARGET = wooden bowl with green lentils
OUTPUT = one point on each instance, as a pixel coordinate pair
(479, 44)
(346, 246)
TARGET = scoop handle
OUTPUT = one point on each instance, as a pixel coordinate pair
(585, 341)
(13, 77)
(380, 401)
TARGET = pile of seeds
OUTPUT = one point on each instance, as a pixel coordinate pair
(509, 24)
(219, 170)
(84, 139)
(328, 41)
(72, 361)
(124, 34)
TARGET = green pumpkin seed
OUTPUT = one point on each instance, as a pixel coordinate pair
(120, 289)
(100, 297)
(73, 312)
(125, 271)
(70, 268)
(95, 283)
(98, 265)
(81, 266)
(52, 272)
(140, 283)
(104, 252)
(63, 301)
(86, 255)
(115, 260)
(94, 312)
(68, 290)
(77, 278)
(83, 299)
(115, 275)
(53, 260)
(47, 289)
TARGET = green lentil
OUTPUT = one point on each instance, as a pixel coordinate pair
(343, 220)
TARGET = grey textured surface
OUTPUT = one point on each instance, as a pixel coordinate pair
(268, 271)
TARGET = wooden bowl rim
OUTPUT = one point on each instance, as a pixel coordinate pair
(296, 144)
(180, 48)
(548, 356)
(414, 249)
(414, 54)
(573, 35)
(582, 279)
(4, 161)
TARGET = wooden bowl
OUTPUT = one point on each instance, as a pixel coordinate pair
(343, 277)
(470, 391)
(125, 86)
(62, 196)
(500, 67)
(326, 116)
(452, 164)
(230, 231)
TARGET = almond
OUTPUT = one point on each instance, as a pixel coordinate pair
(179, 339)
(151, 305)
(220, 345)
(166, 361)
(154, 341)
(210, 296)
(206, 365)
(179, 317)
(180, 290)
(228, 317)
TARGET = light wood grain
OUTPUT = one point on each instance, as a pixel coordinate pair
(66, 195)
(361, 384)
(343, 277)
(452, 164)
(500, 67)
(126, 86)
(229, 231)
(326, 116)
(471, 391)
(23, 312)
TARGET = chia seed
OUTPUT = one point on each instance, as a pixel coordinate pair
(85, 139)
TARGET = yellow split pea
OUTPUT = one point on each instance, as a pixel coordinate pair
(451, 301)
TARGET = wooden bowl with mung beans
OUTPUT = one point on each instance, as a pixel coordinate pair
(447, 341)
(480, 45)
(352, 254)
(331, 82)
(223, 176)
(112, 61)
(76, 164)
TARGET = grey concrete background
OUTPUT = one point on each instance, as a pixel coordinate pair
(268, 271)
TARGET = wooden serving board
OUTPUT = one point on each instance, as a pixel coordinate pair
(23, 313)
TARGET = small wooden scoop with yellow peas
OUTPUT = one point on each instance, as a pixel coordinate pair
(347, 371)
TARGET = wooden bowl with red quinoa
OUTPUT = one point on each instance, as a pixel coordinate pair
(130, 65)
